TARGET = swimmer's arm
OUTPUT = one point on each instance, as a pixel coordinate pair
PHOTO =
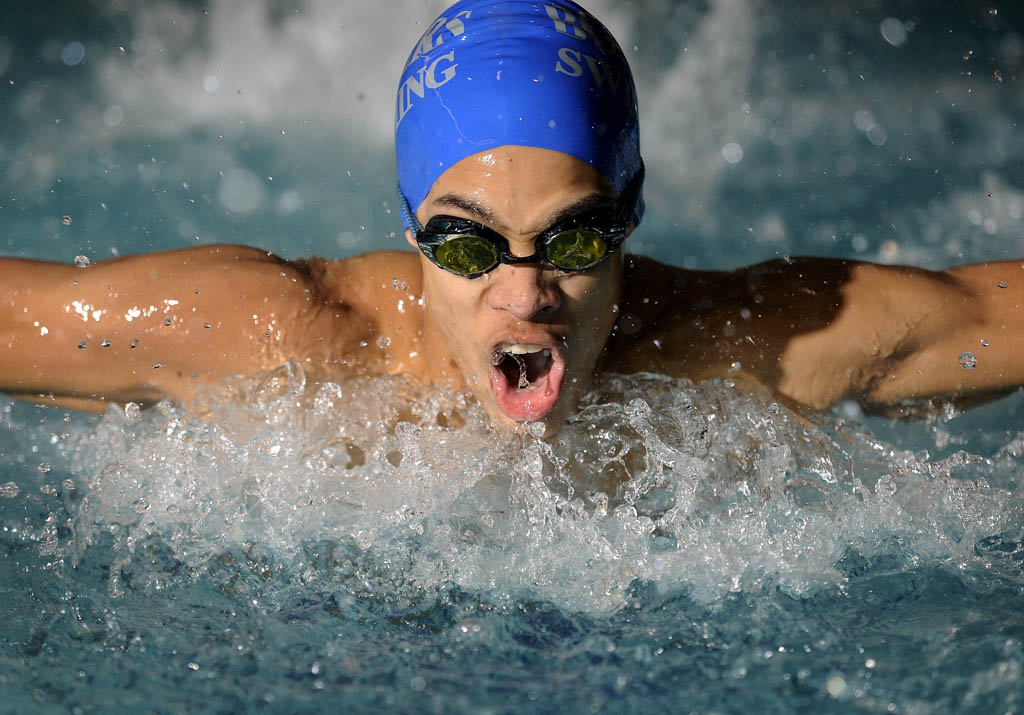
(897, 334)
(142, 328)
(974, 311)
(817, 331)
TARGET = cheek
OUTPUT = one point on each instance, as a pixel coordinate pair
(451, 302)
(594, 295)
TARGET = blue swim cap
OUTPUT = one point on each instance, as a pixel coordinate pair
(494, 72)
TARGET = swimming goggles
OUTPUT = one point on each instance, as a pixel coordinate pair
(470, 249)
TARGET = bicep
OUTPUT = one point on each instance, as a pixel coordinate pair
(971, 341)
(160, 324)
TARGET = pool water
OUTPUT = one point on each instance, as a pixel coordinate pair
(677, 547)
(368, 545)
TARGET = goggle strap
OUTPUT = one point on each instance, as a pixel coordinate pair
(408, 217)
(630, 195)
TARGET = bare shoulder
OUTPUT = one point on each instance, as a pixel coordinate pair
(816, 330)
(358, 278)
(381, 293)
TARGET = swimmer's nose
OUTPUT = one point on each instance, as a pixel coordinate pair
(527, 291)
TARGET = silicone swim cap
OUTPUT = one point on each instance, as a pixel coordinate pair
(493, 72)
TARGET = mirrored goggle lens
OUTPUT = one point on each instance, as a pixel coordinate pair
(467, 254)
(576, 249)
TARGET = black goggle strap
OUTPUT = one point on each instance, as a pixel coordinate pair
(630, 196)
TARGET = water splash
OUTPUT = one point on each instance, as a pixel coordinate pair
(403, 490)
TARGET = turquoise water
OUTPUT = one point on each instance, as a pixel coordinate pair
(369, 545)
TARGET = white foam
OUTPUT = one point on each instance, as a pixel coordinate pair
(694, 488)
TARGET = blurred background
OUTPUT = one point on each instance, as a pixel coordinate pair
(884, 131)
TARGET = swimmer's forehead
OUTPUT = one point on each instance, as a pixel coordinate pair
(547, 185)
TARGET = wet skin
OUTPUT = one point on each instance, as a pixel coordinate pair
(520, 192)
(811, 331)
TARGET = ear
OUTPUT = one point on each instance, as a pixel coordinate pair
(410, 238)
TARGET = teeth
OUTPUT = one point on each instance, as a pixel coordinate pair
(521, 348)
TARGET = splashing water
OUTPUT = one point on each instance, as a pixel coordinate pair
(693, 488)
(372, 541)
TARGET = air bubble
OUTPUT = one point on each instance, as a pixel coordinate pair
(131, 410)
(81, 261)
(66, 220)
(968, 361)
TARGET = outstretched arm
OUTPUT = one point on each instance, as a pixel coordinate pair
(904, 334)
(145, 327)
(820, 330)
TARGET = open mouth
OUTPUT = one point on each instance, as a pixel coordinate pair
(526, 379)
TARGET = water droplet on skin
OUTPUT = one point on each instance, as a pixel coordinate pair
(134, 343)
(207, 325)
(168, 321)
(66, 220)
(399, 285)
(131, 410)
(82, 261)
(383, 342)
(1003, 284)
(968, 361)
(83, 345)
(157, 365)
(984, 343)
(104, 343)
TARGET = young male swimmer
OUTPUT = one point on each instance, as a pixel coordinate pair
(520, 173)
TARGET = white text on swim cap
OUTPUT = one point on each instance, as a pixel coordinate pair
(427, 77)
(433, 38)
(569, 23)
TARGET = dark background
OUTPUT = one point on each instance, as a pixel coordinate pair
(901, 148)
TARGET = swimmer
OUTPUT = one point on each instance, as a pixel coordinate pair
(521, 182)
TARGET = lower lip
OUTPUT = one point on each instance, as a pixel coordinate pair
(533, 403)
